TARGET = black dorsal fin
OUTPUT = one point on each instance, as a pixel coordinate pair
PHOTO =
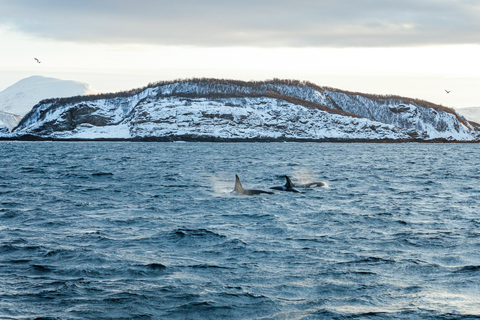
(289, 183)
(238, 185)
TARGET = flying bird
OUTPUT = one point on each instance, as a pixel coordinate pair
(38, 61)
(447, 91)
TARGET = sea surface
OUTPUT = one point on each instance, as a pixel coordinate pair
(107, 230)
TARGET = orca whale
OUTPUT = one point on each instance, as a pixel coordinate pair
(306, 185)
(287, 187)
(240, 190)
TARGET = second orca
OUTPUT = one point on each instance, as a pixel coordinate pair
(287, 187)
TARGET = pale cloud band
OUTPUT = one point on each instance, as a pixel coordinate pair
(254, 23)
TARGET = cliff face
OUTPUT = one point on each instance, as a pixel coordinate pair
(219, 109)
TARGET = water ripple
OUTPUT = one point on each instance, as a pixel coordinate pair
(152, 231)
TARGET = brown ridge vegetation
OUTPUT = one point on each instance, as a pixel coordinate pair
(254, 85)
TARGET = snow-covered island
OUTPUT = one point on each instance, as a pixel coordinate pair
(229, 110)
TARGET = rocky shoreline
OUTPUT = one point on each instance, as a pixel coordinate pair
(230, 140)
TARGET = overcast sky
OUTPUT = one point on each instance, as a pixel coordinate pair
(407, 47)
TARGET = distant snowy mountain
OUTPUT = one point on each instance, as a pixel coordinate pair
(470, 113)
(228, 110)
(18, 99)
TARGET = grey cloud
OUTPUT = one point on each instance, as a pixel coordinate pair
(265, 23)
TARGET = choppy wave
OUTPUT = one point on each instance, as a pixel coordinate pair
(107, 230)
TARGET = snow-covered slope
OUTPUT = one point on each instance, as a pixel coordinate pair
(470, 113)
(9, 120)
(422, 119)
(221, 110)
(19, 98)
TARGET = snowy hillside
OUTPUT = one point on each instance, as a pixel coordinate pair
(18, 99)
(211, 109)
(9, 120)
(471, 113)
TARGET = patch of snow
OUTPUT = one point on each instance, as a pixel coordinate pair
(86, 131)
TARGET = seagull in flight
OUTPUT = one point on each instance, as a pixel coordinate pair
(447, 91)
(38, 61)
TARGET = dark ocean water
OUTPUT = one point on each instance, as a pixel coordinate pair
(103, 230)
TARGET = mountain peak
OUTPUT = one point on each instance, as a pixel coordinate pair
(20, 97)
